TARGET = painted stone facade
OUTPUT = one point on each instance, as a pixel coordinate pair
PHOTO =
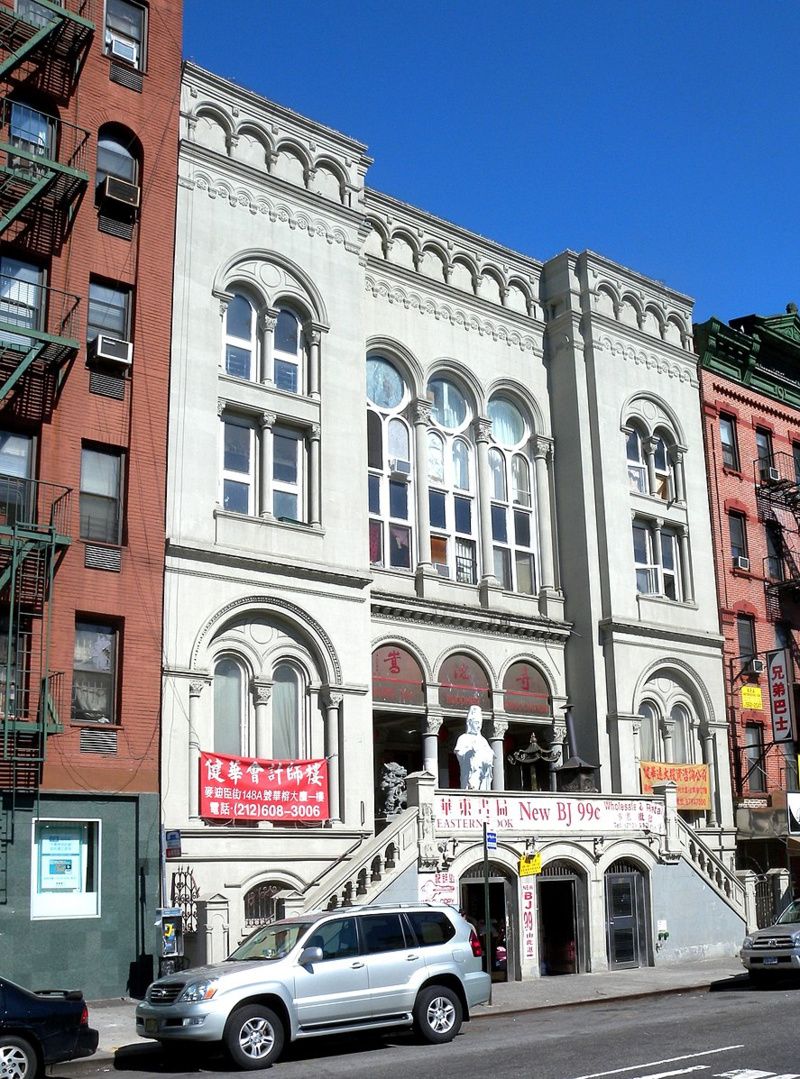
(397, 479)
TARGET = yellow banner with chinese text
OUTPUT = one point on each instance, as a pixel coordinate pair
(692, 780)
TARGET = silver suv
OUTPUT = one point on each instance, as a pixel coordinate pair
(776, 948)
(329, 972)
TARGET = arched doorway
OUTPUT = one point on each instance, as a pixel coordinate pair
(627, 918)
(563, 919)
(502, 917)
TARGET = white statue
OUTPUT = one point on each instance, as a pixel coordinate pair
(475, 754)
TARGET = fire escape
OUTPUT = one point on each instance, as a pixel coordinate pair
(43, 176)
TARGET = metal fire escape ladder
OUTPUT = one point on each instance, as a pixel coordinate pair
(42, 30)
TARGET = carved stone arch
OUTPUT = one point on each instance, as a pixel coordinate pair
(479, 657)
(399, 240)
(675, 326)
(459, 372)
(495, 293)
(293, 653)
(686, 675)
(235, 648)
(377, 238)
(471, 857)
(524, 289)
(285, 876)
(468, 265)
(628, 299)
(653, 412)
(654, 313)
(511, 388)
(411, 647)
(434, 261)
(403, 356)
(321, 646)
(226, 271)
(333, 167)
(638, 853)
(564, 851)
(610, 305)
(211, 110)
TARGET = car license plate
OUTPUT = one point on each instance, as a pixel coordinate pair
(151, 1026)
(770, 960)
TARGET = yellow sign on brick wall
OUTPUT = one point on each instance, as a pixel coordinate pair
(751, 697)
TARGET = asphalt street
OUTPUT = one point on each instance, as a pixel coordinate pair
(735, 1032)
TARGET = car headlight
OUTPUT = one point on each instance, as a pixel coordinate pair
(796, 940)
(203, 990)
(747, 942)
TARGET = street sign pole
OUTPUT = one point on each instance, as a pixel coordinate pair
(487, 929)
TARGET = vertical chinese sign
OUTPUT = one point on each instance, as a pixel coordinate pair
(780, 678)
(527, 893)
(245, 788)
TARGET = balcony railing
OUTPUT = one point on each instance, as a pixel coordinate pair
(32, 506)
(31, 312)
(33, 141)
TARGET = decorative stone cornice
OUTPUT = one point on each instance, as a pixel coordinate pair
(454, 313)
(474, 620)
(682, 370)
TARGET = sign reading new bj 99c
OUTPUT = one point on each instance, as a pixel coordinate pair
(247, 788)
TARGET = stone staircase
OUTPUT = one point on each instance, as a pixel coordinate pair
(712, 869)
(361, 876)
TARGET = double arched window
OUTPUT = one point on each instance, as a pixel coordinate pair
(650, 464)
(283, 734)
(276, 355)
(512, 499)
(451, 483)
(389, 462)
(665, 736)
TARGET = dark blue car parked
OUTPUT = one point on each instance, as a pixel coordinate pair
(45, 1027)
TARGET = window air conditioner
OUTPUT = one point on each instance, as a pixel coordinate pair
(773, 475)
(120, 192)
(399, 468)
(740, 562)
(122, 49)
(756, 666)
(442, 569)
(111, 350)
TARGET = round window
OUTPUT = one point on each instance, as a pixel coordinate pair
(449, 404)
(385, 386)
(508, 426)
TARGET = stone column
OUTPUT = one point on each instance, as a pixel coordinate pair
(497, 733)
(708, 753)
(422, 416)
(261, 694)
(649, 447)
(686, 565)
(266, 422)
(666, 731)
(331, 703)
(314, 343)
(314, 485)
(430, 744)
(483, 429)
(658, 557)
(267, 321)
(543, 454)
(677, 455)
(195, 689)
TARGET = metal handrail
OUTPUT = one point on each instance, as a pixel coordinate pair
(33, 504)
(65, 146)
(30, 310)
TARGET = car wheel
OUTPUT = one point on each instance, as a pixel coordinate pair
(253, 1037)
(438, 1014)
(18, 1058)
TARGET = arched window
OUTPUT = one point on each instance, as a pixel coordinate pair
(663, 471)
(288, 352)
(286, 712)
(512, 504)
(117, 179)
(649, 734)
(228, 707)
(451, 484)
(390, 470)
(240, 337)
(637, 469)
(680, 734)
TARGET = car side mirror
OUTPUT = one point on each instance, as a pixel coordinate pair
(309, 956)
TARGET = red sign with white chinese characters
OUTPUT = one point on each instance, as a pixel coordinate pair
(396, 676)
(780, 676)
(246, 788)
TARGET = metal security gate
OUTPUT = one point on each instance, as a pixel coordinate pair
(626, 917)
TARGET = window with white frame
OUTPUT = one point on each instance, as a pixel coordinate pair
(125, 32)
(389, 460)
(288, 352)
(681, 744)
(647, 582)
(242, 447)
(671, 583)
(663, 469)
(649, 733)
(101, 494)
(637, 468)
(229, 708)
(451, 483)
(512, 499)
(234, 710)
(65, 869)
(657, 560)
(287, 474)
(240, 337)
(238, 465)
(287, 717)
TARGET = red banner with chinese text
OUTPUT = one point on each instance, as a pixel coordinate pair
(692, 780)
(247, 788)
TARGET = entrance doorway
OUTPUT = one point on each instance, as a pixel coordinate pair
(626, 917)
(500, 920)
(562, 920)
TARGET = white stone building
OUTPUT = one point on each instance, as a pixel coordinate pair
(403, 465)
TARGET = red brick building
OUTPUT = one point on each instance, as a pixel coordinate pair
(88, 150)
(750, 386)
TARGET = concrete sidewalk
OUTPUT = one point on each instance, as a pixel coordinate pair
(115, 1022)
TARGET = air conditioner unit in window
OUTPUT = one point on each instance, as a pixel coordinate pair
(122, 49)
(399, 468)
(442, 569)
(773, 475)
(756, 666)
(740, 562)
(105, 349)
(120, 193)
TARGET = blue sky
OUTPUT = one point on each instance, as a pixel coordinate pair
(663, 135)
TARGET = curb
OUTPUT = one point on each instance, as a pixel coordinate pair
(671, 991)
